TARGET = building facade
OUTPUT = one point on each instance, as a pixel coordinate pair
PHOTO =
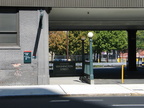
(18, 32)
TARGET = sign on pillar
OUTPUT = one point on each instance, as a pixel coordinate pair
(27, 56)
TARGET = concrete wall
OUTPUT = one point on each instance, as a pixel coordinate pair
(26, 74)
(73, 3)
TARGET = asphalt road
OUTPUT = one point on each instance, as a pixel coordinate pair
(71, 102)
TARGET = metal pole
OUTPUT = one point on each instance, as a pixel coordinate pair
(83, 58)
(67, 48)
(122, 77)
(91, 61)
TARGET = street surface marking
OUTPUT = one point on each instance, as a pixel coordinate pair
(129, 105)
(88, 100)
(59, 100)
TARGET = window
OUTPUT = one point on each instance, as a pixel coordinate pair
(8, 29)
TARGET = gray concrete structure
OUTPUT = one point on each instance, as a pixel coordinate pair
(73, 3)
(26, 74)
(64, 15)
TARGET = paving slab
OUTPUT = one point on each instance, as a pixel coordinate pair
(137, 88)
(104, 90)
(66, 81)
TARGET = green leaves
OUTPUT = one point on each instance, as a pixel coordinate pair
(140, 40)
(109, 40)
(57, 42)
(102, 41)
(75, 42)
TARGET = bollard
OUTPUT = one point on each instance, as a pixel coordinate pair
(122, 75)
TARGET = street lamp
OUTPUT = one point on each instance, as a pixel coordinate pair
(90, 35)
(83, 57)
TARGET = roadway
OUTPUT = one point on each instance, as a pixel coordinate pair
(71, 102)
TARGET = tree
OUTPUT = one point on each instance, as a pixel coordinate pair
(75, 42)
(98, 44)
(57, 42)
(140, 40)
(102, 41)
(109, 40)
(121, 42)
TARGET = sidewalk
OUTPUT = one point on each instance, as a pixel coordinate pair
(75, 88)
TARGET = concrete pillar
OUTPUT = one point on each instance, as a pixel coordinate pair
(131, 64)
(43, 68)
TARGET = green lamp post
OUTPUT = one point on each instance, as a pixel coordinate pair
(90, 35)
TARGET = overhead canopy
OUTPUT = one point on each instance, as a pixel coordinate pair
(96, 18)
(87, 14)
(74, 3)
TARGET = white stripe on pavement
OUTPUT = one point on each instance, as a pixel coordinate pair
(129, 105)
(59, 100)
(89, 100)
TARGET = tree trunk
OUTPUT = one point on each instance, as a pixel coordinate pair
(52, 56)
(107, 57)
(95, 59)
(99, 57)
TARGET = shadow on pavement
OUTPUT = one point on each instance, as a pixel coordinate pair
(115, 73)
(112, 75)
(105, 75)
(47, 102)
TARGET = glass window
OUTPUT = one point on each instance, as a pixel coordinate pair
(8, 22)
(8, 29)
(8, 38)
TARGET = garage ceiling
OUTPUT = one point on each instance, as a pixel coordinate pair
(96, 18)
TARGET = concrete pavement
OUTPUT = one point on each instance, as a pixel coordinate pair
(73, 87)
(74, 90)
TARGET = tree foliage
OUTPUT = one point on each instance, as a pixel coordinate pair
(102, 41)
(109, 40)
(75, 42)
(140, 40)
(57, 42)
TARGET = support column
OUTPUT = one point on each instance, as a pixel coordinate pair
(43, 65)
(131, 64)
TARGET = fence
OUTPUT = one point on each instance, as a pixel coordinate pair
(79, 58)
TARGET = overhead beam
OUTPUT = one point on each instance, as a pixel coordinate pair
(74, 3)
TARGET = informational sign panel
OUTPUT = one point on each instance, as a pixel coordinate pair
(64, 68)
(27, 56)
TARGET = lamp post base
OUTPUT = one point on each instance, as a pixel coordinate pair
(92, 81)
(86, 79)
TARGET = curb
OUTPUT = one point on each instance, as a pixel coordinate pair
(105, 95)
(75, 95)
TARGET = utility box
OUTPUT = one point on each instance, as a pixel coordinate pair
(27, 56)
